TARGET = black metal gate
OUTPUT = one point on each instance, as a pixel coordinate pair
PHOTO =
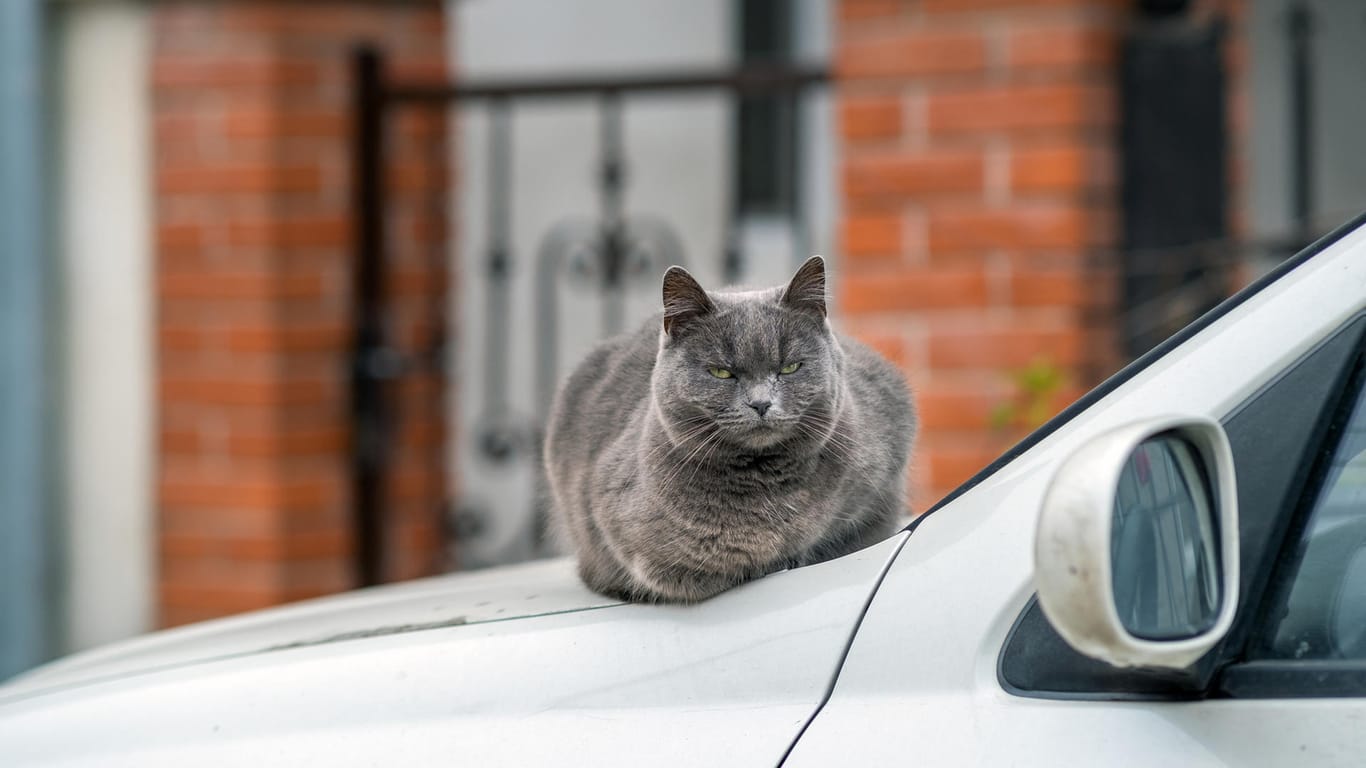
(1178, 257)
(607, 254)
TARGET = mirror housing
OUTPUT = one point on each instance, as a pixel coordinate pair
(1074, 543)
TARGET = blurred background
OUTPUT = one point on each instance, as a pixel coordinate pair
(285, 287)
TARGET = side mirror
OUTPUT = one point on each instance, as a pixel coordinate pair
(1136, 552)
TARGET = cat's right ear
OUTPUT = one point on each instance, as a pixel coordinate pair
(684, 299)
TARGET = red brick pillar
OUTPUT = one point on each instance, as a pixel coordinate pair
(252, 130)
(977, 141)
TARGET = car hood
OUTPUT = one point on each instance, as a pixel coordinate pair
(732, 680)
(496, 594)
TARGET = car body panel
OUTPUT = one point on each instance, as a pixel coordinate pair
(498, 594)
(920, 678)
(729, 681)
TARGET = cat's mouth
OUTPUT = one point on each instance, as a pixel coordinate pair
(761, 433)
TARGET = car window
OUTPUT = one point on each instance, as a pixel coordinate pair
(1320, 611)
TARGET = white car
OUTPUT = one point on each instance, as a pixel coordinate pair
(1171, 572)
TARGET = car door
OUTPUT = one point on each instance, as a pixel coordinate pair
(955, 663)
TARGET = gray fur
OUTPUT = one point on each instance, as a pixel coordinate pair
(672, 487)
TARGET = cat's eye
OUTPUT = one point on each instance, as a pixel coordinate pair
(720, 373)
(790, 368)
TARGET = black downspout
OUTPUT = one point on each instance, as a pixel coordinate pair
(367, 372)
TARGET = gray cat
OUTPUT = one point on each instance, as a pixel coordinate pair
(733, 436)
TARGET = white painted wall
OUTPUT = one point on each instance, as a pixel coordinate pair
(678, 167)
(1339, 114)
(104, 242)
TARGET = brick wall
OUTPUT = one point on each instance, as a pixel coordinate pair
(978, 189)
(254, 250)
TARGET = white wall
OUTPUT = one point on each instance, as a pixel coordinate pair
(678, 167)
(1339, 114)
(105, 239)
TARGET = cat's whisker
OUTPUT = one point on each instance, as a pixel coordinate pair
(838, 442)
(711, 440)
(681, 443)
(706, 458)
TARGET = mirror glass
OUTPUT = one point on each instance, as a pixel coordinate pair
(1164, 542)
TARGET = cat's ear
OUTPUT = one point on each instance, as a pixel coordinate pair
(806, 291)
(684, 299)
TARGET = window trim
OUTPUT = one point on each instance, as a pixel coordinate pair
(1169, 685)
(1286, 679)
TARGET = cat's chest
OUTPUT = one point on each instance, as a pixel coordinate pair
(767, 465)
(772, 473)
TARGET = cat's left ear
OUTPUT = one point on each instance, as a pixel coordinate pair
(806, 291)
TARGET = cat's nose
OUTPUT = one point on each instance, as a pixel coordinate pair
(760, 406)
